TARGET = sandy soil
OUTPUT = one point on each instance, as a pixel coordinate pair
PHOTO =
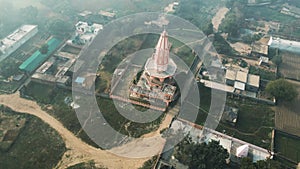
(217, 19)
(242, 48)
(78, 151)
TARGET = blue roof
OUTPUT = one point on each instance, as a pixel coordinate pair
(80, 80)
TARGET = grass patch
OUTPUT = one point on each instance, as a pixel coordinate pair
(266, 75)
(255, 121)
(51, 100)
(287, 145)
(85, 165)
(37, 146)
(118, 121)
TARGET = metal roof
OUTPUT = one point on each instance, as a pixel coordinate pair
(239, 85)
(37, 58)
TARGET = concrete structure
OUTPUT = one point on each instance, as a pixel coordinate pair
(252, 83)
(263, 61)
(230, 115)
(13, 41)
(242, 81)
(107, 14)
(230, 77)
(284, 45)
(259, 49)
(230, 143)
(62, 61)
(242, 151)
(156, 83)
(85, 32)
(37, 58)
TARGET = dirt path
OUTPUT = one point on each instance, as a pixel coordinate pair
(217, 19)
(78, 151)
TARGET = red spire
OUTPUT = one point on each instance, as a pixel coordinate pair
(161, 55)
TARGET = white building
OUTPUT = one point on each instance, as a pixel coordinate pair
(16, 39)
(284, 45)
(85, 32)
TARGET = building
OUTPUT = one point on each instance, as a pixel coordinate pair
(284, 45)
(199, 134)
(16, 39)
(242, 81)
(107, 14)
(37, 58)
(156, 83)
(230, 115)
(85, 32)
(252, 83)
(263, 61)
(259, 49)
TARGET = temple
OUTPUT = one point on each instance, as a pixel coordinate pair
(156, 83)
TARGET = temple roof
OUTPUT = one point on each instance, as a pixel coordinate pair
(160, 64)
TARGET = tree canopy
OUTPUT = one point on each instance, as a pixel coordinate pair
(44, 49)
(201, 156)
(246, 163)
(282, 90)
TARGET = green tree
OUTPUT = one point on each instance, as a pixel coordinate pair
(246, 163)
(44, 49)
(29, 13)
(59, 27)
(208, 29)
(277, 59)
(268, 164)
(201, 156)
(282, 90)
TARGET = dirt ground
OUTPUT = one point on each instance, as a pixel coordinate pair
(217, 19)
(242, 48)
(78, 151)
(287, 116)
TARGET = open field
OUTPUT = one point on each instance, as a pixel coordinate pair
(287, 146)
(255, 121)
(288, 115)
(78, 151)
(37, 145)
(290, 67)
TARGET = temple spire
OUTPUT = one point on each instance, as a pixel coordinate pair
(162, 52)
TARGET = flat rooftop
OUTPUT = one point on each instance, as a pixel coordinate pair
(253, 80)
(241, 76)
(16, 36)
(285, 45)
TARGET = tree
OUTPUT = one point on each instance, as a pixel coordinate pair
(208, 29)
(44, 49)
(246, 163)
(268, 164)
(201, 156)
(282, 90)
(59, 27)
(277, 59)
(29, 13)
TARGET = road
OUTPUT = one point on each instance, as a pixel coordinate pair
(78, 151)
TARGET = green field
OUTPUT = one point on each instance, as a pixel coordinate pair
(255, 121)
(36, 146)
(288, 146)
(51, 100)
